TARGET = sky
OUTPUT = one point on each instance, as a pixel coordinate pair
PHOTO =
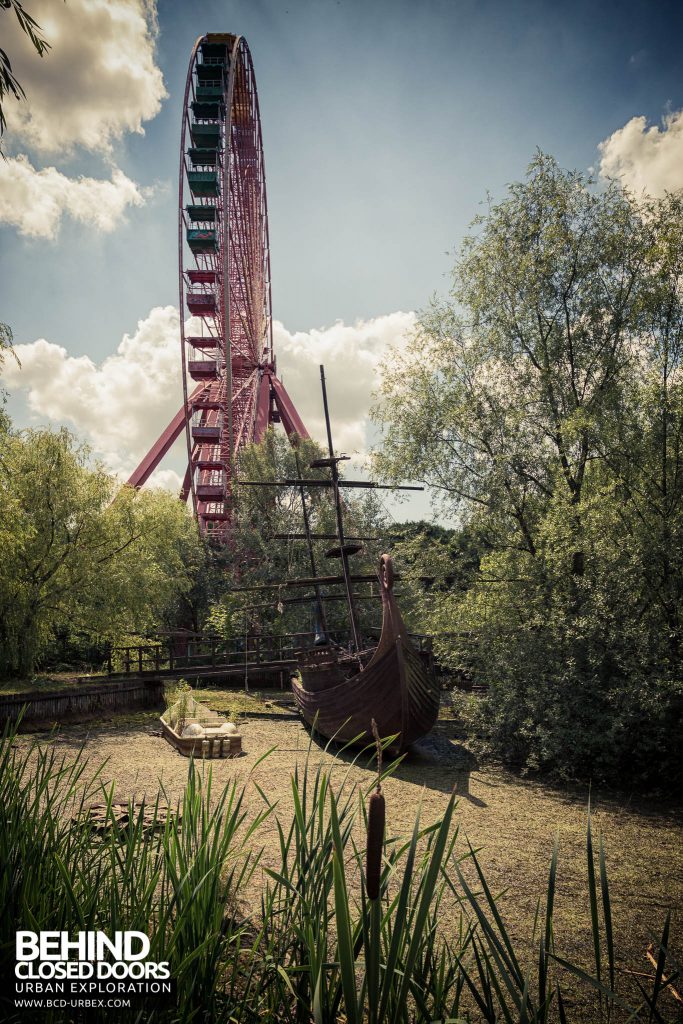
(385, 123)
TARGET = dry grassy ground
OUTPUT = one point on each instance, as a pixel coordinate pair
(512, 821)
(48, 681)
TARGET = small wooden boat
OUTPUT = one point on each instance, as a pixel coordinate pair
(339, 695)
(212, 738)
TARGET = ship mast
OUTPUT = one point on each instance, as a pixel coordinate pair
(334, 470)
(311, 554)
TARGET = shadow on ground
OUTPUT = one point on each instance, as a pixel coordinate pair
(437, 761)
(441, 763)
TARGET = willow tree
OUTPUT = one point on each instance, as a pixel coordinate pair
(77, 550)
(542, 400)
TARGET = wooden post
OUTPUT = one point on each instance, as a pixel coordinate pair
(140, 659)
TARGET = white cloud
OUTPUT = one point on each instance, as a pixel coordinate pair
(166, 479)
(36, 201)
(646, 159)
(98, 81)
(120, 406)
(351, 354)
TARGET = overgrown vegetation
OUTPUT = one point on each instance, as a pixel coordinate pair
(543, 400)
(178, 699)
(317, 948)
(85, 563)
(80, 554)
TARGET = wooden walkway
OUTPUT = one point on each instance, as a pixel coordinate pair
(250, 658)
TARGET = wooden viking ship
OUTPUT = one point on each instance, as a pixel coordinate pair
(338, 690)
(339, 695)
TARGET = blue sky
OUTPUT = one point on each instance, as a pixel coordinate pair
(385, 124)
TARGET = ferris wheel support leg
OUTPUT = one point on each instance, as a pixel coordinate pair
(262, 409)
(291, 420)
(187, 483)
(171, 434)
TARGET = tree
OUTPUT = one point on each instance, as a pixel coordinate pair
(77, 549)
(434, 561)
(543, 400)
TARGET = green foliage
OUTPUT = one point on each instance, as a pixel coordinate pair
(177, 698)
(316, 949)
(6, 339)
(225, 617)
(77, 549)
(544, 402)
(435, 562)
(177, 884)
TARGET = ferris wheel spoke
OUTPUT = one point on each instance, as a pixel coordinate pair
(244, 281)
(241, 249)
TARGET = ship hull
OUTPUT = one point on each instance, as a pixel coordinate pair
(396, 688)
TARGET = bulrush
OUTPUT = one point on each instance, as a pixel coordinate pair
(376, 819)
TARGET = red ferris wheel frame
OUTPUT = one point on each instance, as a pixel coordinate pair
(224, 284)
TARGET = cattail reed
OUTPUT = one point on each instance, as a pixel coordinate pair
(376, 818)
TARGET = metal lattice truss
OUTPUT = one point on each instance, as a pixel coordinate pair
(224, 284)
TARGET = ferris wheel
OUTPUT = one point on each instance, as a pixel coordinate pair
(230, 389)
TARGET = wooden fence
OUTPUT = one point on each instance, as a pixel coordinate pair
(88, 699)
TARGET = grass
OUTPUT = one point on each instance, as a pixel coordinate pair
(236, 703)
(48, 681)
(511, 821)
(435, 946)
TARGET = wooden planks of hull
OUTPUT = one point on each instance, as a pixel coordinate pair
(394, 688)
